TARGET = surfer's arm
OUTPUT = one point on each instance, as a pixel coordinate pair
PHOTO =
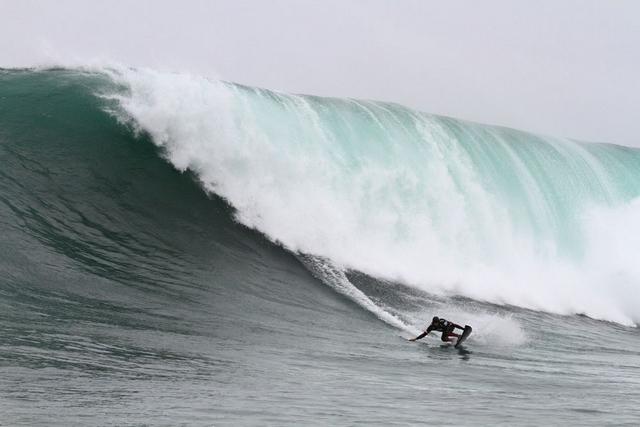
(422, 335)
(458, 326)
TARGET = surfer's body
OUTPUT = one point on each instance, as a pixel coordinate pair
(447, 328)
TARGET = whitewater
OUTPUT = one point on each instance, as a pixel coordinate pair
(183, 250)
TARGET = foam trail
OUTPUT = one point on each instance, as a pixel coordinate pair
(448, 206)
(337, 279)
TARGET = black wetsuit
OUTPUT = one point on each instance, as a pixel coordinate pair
(442, 325)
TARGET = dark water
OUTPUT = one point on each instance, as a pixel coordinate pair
(129, 297)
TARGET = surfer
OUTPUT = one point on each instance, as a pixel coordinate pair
(447, 328)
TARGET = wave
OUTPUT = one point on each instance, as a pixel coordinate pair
(449, 206)
(445, 206)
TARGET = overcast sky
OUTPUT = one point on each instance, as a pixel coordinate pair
(567, 68)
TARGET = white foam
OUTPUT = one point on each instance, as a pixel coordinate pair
(493, 329)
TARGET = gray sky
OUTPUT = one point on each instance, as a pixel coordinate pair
(568, 68)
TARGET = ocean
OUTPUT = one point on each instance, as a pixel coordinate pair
(176, 250)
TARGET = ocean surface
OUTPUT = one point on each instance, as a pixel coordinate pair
(176, 250)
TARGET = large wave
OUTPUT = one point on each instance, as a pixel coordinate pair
(449, 206)
(446, 206)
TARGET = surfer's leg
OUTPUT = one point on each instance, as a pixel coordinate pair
(448, 334)
(447, 337)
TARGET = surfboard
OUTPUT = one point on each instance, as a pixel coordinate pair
(464, 336)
